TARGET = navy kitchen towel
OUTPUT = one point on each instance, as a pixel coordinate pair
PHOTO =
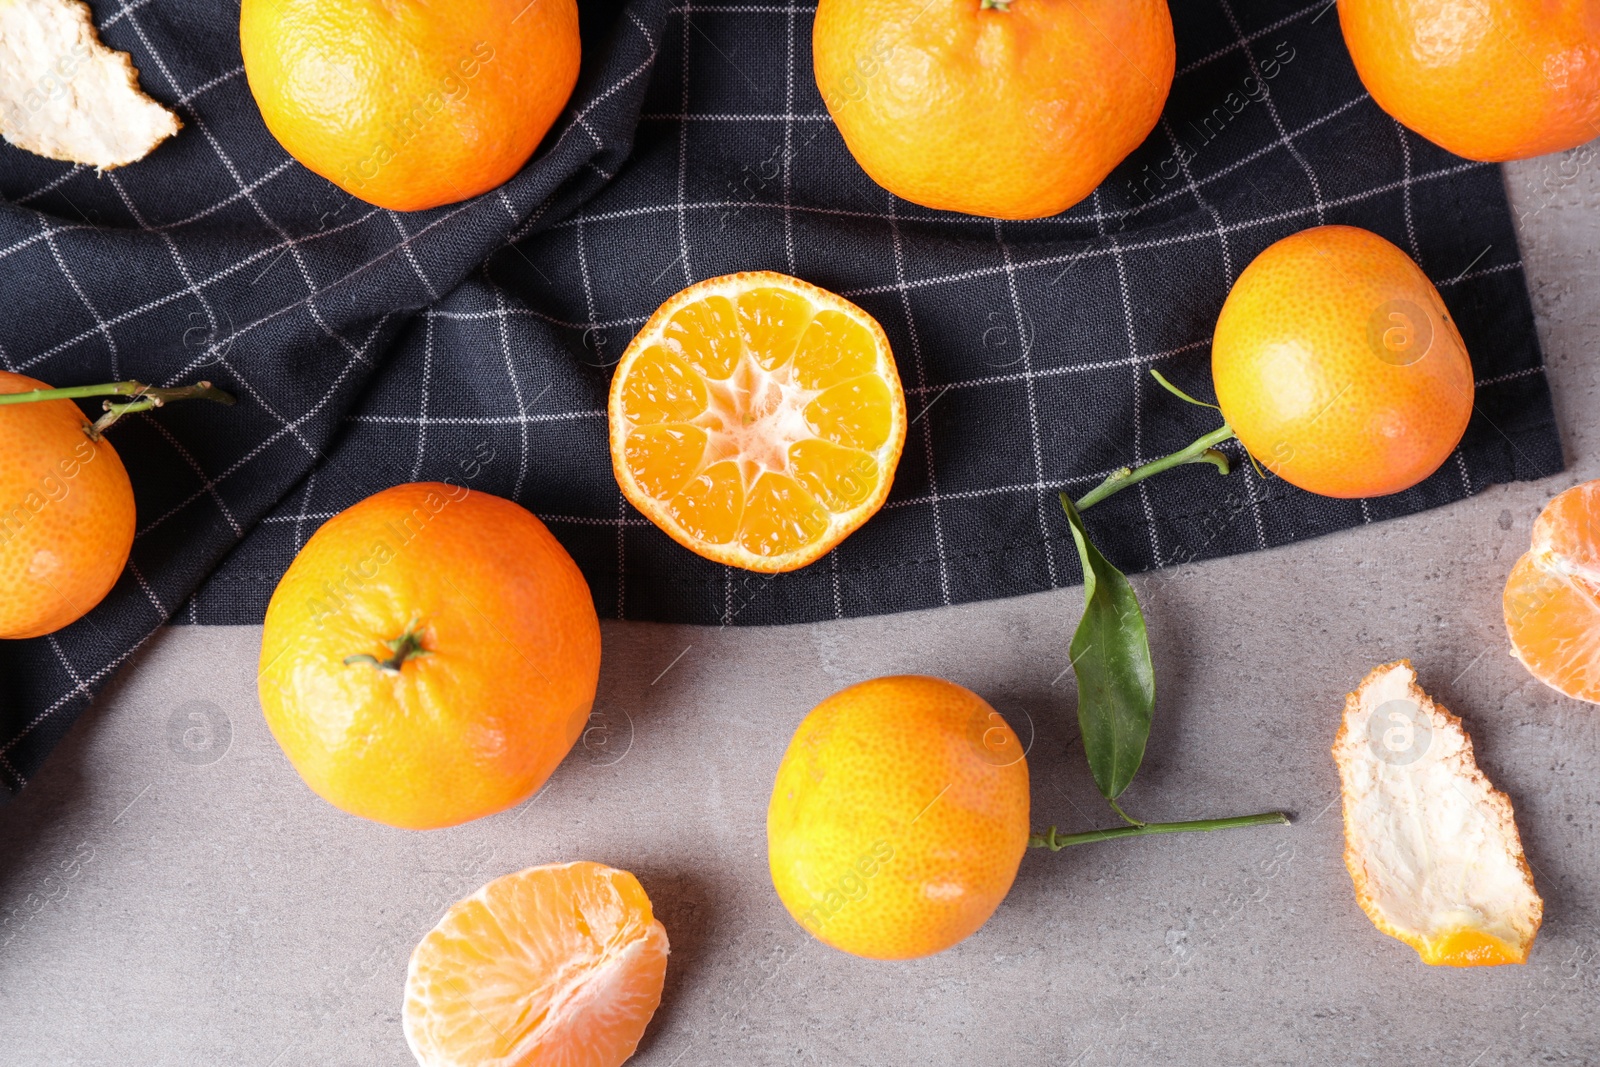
(474, 342)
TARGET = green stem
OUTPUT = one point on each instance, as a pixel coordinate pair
(144, 396)
(407, 646)
(1129, 819)
(1201, 451)
(1056, 842)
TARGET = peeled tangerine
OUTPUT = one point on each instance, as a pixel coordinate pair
(757, 420)
(1552, 598)
(1430, 843)
(556, 965)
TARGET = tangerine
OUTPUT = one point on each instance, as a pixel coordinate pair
(66, 513)
(409, 104)
(1488, 81)
(757, 420)
(1552, 596)
(1337, 364)
(429, 657)
(1014, 109)
(898, 817)
(555, 966)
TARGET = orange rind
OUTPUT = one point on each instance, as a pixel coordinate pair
(64, 95)
(898, 817)
(66, 514)
(1431, 845)
(429, 657)
(1337, 364)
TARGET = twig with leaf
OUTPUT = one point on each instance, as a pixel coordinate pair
(1116, 677)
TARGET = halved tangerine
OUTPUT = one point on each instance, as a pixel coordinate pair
(555, 966)
(1552, 597)
(757, 419)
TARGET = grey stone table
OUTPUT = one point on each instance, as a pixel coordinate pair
(174, 907)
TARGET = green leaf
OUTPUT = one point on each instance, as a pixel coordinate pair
(1111, 657)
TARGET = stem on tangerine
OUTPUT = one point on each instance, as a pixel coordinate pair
(144, 396)
(1056, 842)
(1202, 450)
(405, 647)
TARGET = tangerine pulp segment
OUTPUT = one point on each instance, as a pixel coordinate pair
(1552, 597)
(554, 966)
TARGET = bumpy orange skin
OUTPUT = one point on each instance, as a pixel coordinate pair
(408, 104)
(1492, 81)
(477, 724)
(66, 514)
(1015, 112)
(1339, 367)
(898, 818)
(1552, 596)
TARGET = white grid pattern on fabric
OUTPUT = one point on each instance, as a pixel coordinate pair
(922, 389)
(497, 321)
(196, 288)
(683, 206)
(1024, 345)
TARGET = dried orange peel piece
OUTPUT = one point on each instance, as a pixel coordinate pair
(1430, 843)
(1552, 597)
(64, 95)
(757, 420)
(555, 966)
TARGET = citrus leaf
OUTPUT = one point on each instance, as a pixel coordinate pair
(1111, 657)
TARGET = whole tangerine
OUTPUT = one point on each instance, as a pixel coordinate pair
(1337, 364)
(66, 513)
(1489, 81)
(409, 104)
(1014, 109)
(898, 817)
(429, 657)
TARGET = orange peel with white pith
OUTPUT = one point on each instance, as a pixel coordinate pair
(1431, 845)
(64, 95)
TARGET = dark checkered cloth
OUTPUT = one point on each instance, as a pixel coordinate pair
(475, 342)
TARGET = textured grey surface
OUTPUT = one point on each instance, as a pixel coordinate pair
(163, 906)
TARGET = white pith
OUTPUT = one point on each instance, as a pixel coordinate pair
(1430, 843)
(64, 95)
(755, 415)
